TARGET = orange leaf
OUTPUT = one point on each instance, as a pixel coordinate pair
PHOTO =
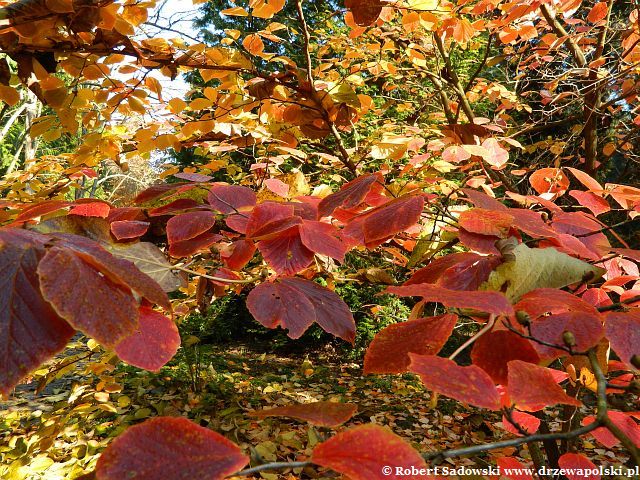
(599, 12)
(322, 414)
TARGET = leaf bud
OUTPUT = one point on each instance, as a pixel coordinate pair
(523, 318)
(635, 361)
(569, 338)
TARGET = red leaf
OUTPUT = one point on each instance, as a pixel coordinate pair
(286, 253)
(116, 269)
(486, 222)
(274, 228)
(268, 218)
(478, 243)
(166, 448)
(532, 388)
(125, 213)
(491, 302)
(241, 253)
(457, 271)
(31, 330)
(231, 198)
(623, 421)
(189, 225)
(322, 414)
(365, 12)
(376, 226)
(389, 350)
(571, 462)
(350, 194)
(513, 469)
(581, 223)
(482, 200)
(455, 154)
(91, 209)
(237, 222)
(295, 303)
(549, 180)
(587, 180)
(469, 384)
(551, 300)
(153, 344)
(531, 223)
(362, 452)
(127, 229)
(177, 206)
(525, 421)
(278, 187)
(623, 331)
(40, 209)
(156, 191)
(193, 245)
(593, 202)
(494, 350)
(322, 238)
(586, 328)
(87, 300)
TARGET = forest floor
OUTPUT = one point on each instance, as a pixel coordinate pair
(58, 432)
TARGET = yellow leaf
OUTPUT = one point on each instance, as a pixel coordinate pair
(235, 11)
(254, 44)
(177, 105)
(200, 104)
(60, 6)
(136, 105)
(534, 268)
(9, 95)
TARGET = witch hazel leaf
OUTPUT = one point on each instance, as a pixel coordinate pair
(532, 388)
(67, 281)
(525, 421)
(350, 194)
(486, 222)
(116, 269)
(623, 331)
(128, 229)
(167, 448)
(229, 199)
(194, 245)
(276, 304)
(322, 238)
(494, 350)
(535, 268)
(586, 329)
(322, 414)
(389, 350)
(31, 330)
(153, 344)
(470, 384)
(189, 225)
(364, 452)
(295, 303)
(491, 302)
(374, 227)
(286, 253)
(624, 422)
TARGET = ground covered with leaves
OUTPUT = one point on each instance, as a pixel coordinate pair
(56, 426)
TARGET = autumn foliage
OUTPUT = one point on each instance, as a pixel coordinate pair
(490, 195)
